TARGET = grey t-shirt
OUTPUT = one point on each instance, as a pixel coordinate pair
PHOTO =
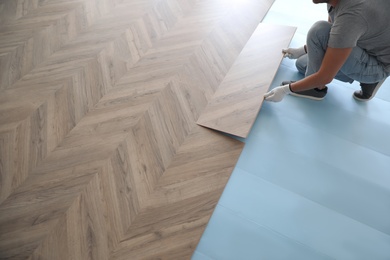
(363, 23)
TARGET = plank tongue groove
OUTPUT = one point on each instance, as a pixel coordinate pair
(237, 101)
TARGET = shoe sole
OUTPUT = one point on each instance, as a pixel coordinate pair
(308, 97)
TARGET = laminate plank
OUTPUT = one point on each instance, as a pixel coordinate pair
(237, 101)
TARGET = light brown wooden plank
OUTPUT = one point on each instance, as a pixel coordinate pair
(237, 101)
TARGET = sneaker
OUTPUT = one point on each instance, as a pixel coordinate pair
(315, 94)
(367, 91)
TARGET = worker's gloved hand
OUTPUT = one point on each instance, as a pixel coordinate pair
(294, 53)
(277, 94)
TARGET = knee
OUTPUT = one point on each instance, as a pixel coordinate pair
(319, 30)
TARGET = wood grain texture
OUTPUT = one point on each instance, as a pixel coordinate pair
(237, 101)
(100, 153)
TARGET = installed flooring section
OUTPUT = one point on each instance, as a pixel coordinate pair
(100, 153)
(313, 180)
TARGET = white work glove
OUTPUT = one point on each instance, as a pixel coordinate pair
(277, 94)
(293, 53)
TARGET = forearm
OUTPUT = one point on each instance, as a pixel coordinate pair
(333, 61)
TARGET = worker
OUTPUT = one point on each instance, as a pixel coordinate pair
(353, 45)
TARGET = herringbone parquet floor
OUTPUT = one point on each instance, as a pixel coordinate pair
(100, 153)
